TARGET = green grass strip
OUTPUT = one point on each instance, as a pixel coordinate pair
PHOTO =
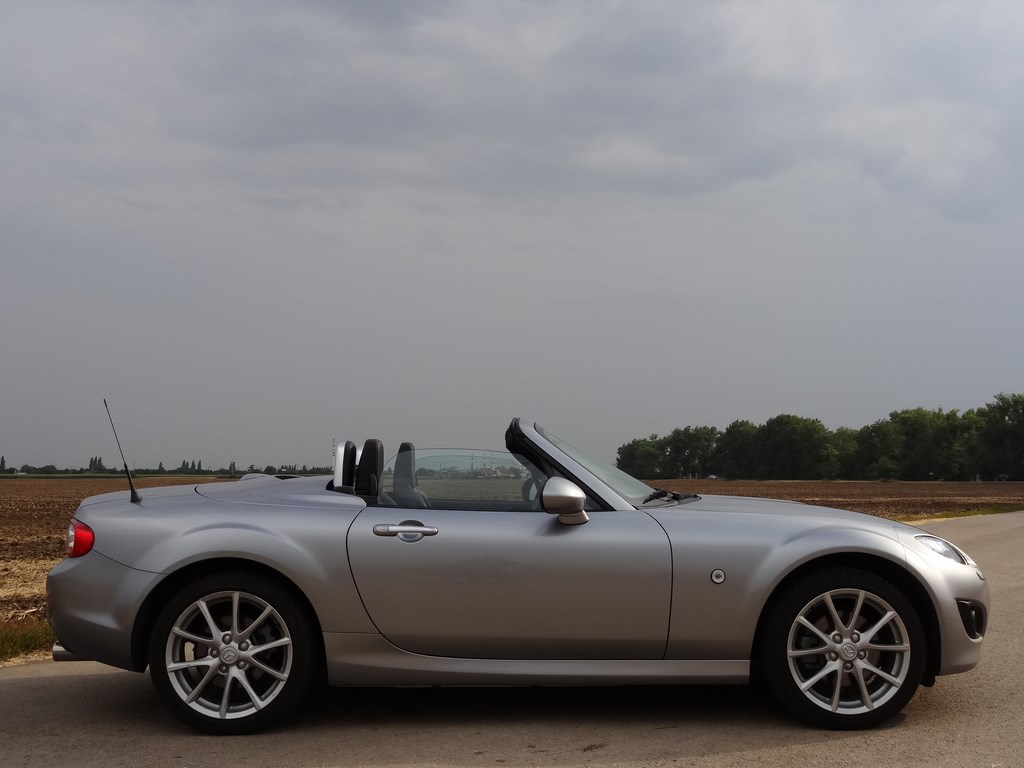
(20, 637)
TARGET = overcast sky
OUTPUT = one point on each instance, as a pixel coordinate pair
(256, 227)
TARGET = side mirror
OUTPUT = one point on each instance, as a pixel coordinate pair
(564, 498)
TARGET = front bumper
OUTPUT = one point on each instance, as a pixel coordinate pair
(962, 598)
(963, 621)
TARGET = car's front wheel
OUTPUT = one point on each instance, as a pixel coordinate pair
(843, 649)
(231, 653)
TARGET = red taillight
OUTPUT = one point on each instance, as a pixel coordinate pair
(80, 538)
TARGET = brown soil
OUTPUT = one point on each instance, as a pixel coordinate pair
(34, 515)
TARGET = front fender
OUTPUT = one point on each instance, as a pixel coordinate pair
(722, 582)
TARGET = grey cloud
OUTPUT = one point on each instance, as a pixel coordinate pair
(622, 217)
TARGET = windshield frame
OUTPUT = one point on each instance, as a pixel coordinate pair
(625, 485)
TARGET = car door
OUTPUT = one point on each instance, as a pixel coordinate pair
(511, 583)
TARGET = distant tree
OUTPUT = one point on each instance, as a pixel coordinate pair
(161, 468)
(875, 454)
(1000, 438)
(674, 450)
(958, 445)
(911, 444)
(269, 470)
(641, 458)
(232, 469)
(842, 446)
(933, 444)
(736, 450)
(687, 452)
(971, 424)
(3, 463)
(199, 466)
(792, 448)
(703, 442)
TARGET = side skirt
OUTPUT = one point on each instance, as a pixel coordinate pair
(370, 660)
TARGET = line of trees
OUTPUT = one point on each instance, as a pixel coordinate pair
(97, 467)
(913, 444)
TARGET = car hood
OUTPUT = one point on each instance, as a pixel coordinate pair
(807, 513)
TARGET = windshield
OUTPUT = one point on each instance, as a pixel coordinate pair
(626, 486)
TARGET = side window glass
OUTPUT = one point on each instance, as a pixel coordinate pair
(461, 479)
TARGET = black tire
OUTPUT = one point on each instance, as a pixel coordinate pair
(843, 649)
(225, 675)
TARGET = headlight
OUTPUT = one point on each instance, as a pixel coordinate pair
(944, 548)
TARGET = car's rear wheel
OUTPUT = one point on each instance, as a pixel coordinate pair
(231, 653)
(843, 649)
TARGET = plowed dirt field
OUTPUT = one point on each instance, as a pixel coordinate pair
(34, 514)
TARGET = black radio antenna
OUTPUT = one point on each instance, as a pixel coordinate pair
(136, 499)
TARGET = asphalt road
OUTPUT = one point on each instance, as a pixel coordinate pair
(84, 714)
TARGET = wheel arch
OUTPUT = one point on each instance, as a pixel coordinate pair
(892, 572)
(146, 617)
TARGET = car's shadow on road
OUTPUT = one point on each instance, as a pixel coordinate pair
(42, 711)
(618, 704)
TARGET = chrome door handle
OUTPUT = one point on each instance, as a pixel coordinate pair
(405, 531)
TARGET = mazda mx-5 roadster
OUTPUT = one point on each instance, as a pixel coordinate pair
(537, 564)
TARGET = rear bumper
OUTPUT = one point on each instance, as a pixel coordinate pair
(91, 605)
(60, 653)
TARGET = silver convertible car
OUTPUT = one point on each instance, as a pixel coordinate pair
(533, 565)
